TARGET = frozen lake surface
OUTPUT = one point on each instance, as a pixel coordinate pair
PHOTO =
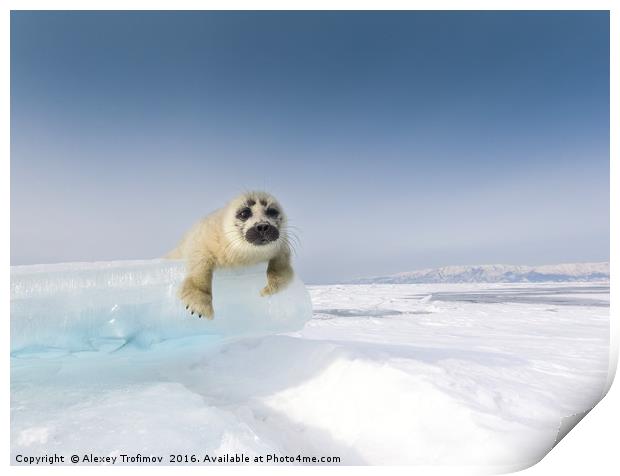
(477, 374)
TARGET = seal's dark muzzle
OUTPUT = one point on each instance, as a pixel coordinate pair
(262, 233)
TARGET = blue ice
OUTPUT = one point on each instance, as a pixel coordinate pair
(101, 307)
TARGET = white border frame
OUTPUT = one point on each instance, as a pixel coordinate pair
(590, 447)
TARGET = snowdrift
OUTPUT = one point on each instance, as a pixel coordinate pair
(104, 306)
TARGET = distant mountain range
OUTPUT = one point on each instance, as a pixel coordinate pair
(497, 273)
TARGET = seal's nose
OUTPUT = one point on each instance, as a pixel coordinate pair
(262, 227)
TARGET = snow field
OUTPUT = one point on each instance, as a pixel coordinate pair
(474, 374)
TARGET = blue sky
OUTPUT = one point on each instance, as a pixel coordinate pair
(395, 141)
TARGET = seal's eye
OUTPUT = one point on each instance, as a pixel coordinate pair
(272, 212)
(244, 214)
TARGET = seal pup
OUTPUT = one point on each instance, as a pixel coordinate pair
(250, 229)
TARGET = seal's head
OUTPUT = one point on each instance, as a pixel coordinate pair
(256, 222)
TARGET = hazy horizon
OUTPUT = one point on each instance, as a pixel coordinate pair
(476, 265)
(395, 141)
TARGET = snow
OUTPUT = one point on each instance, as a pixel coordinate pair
(434, 374)
(498, 273)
